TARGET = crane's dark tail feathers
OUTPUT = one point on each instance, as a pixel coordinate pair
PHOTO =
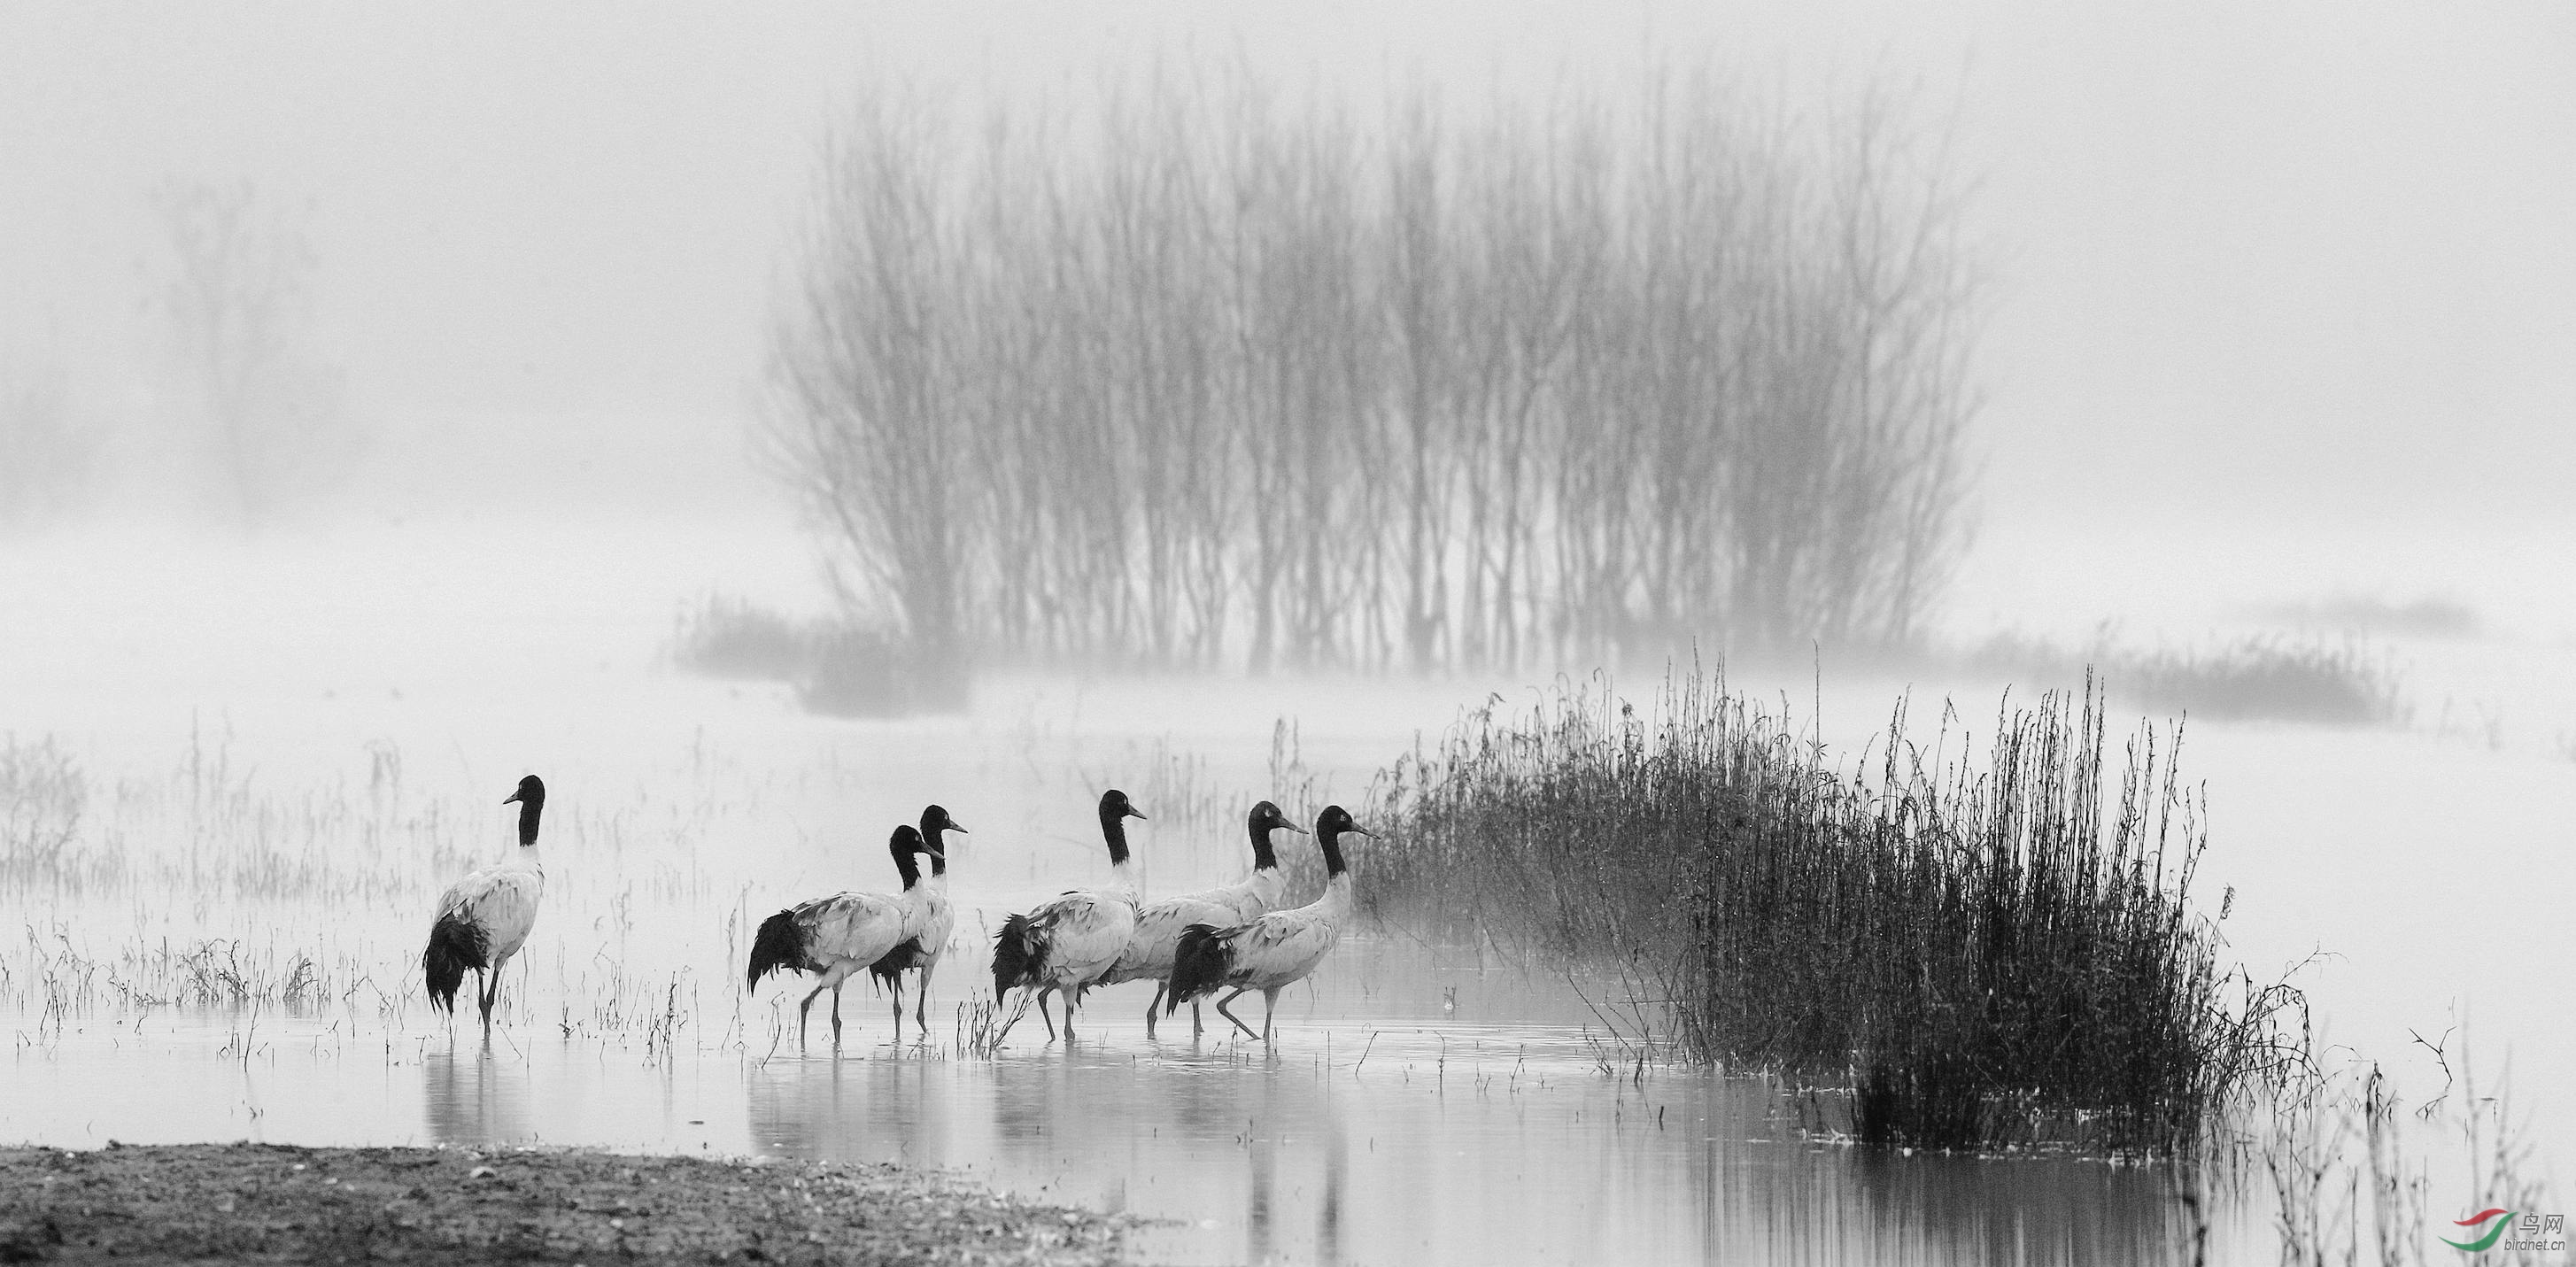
(455, 945)
(779, 944)
(896, 962)
(1018, 955)
(1199, 965)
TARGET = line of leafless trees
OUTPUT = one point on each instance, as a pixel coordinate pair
(1195, 374)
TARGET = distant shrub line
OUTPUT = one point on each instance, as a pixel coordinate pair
(2254, 678)
(1989, 956)
(837, 667)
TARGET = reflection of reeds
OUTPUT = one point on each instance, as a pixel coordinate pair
(2346, 1184)
(1993, 955)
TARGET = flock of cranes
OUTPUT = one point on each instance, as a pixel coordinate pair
(1190, 946)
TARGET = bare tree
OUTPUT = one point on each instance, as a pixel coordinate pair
(240, 306)
(866, 361)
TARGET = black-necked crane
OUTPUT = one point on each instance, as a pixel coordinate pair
(1273, 952)
(932, 919)
(484, 918)
(1158, 925)
(835, 936)
(1064, 945)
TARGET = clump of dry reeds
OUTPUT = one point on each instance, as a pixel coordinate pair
(1990, 954)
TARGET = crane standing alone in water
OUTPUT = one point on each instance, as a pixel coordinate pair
(484, 918)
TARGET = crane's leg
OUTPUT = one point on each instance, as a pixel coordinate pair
(898, 1009)
(1198, 1022)
(801, 1009)
(1228, 1013)
(485, 986)
(1150, 1008)
(836, 1018)
(1072, 999)
(1269, 1005)
(1043, 992)
(921, 999)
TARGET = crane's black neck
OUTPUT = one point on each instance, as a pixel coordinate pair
(1262, 857)
(1331, 839)
(1113, 828)
(933, 830)
(529, 808)
(903, 863)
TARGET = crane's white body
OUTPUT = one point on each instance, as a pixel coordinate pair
(1085, 931)
(846, 932)
(500, 901)
(1283, 947)
(1159, 924)
(840, 935)
(934, 919)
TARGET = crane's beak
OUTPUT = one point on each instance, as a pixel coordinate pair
(1133, 812)
(1357, 830)
(955, 826)
(1294, 827)
(511, 797)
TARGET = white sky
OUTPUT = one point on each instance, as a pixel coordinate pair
(2244, 258)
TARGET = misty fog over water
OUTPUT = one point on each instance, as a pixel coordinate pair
(2263, 317)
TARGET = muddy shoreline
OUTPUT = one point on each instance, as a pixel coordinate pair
(264, 1203)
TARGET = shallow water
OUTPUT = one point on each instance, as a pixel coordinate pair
(1385, 1125)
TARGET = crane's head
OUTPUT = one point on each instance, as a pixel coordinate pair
(1114, 805)
(935, 820)
(1266, 816)
(531, 797)
(1335, 820)
(903, 844)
